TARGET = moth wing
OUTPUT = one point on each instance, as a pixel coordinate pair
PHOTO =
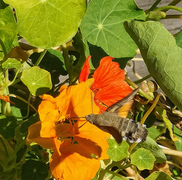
(123, 106)
(114, 132)
(124, 110)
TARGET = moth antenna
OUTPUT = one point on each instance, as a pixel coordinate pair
(77, 117)
(82, 124)
(92, 103)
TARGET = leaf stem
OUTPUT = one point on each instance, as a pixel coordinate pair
(18, 97)
(28, 105)
(166, 8)
(14, 78)
(41, 57)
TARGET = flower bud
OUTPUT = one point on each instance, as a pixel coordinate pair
(152, 86)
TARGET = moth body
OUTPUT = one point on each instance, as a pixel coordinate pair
(120, 128)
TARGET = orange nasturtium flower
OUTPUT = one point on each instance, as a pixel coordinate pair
(74, 143)
(109, 85)
(78, 146)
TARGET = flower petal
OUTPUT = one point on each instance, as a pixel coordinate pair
(76, 101)
(109, 85)
(48, 124)
(85, 71)
(48, 104)
(34, 136)
(74, 163)
(93, 140)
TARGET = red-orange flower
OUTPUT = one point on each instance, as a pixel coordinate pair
(109, 85)
(73, 142)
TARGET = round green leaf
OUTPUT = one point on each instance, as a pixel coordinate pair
(45, 23)
(8, 29)
(11, 63)
(152, 146)
(159, 176)
(7, 126)
(143, 159)
(34, 170)
(117, 152)
(102, 26)
(37, 80)
(161, 55)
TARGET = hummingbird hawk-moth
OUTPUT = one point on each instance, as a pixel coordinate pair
(114, 121)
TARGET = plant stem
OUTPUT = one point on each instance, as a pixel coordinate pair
(150, 109)
(144, 78)
(4, 51)
(173, 16)
(67, 62)
(174, 2)
(166, 8)
(140, 91)
(6, 151)
(153, 6)
(5, 108)
(41, 57)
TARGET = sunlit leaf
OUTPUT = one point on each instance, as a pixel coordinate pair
(7, 126)
(152, 146)
(162, 114)
(46, 23)
(143, 159)
(178, 143)
(153, 132)
(53, 62)
(179, 39)
(103, 26)
(11, 63)
(159, 176)
(117, 152)
(7, 28)
(34, 170)
(161, 55)
(37, 80)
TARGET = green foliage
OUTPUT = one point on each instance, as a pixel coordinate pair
(103, 26)
(7, 126)
(143, 159)
(152, 146)
(11, 63)
(159, 176)
(60, 35)
(117, 152)
(7, 29)
(178, 143)
(179, 39)
(58, 20)
(161, 55)
(34, 170)
(37, 80)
